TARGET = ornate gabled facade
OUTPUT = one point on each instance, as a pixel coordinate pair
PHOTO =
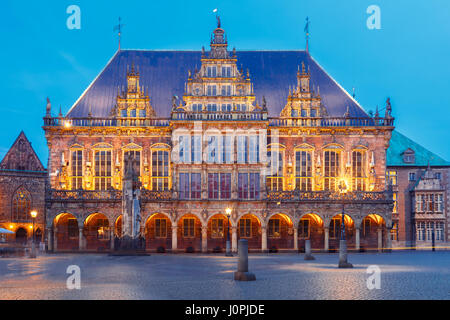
(227, 143)
(421, 192)
(22, 188)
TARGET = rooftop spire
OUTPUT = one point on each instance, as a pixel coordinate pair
(119, 29)
(307, 33)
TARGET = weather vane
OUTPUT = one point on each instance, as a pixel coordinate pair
(119, 29)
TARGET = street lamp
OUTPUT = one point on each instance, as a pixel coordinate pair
(228, 250)
(343, 263)
(33, 246)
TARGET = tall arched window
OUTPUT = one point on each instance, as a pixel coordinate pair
(332, 161)
(160, 170)
(303, 170)
(358, 170)
(21, 205)
(275, 176)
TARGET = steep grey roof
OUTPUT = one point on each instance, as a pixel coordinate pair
(164, 73)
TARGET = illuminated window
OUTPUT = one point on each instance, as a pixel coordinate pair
(77, 169)
(394, 231)
(245, 228)
(160, 228)
(217, 228)
(274, 228)
(189, 227)
(391, 177)
(303, 170)
(394, 197)
(103, 176)
(275, 177)
(358, 172)
(303, 228)
(21, 205)
(160, 170)
(331, 169)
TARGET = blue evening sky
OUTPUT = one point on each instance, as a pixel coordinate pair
(406, 60)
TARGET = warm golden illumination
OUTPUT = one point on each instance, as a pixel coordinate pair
(31, 227)
(33, 214)
(228, 212)
(11, 226)
(67, 124)
(343, 186)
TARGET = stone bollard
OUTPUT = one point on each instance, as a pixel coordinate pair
(242, 274)
(343, 263)
(308, 254)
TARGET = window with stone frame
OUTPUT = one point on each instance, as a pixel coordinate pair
(160, 170)
(358, 170)
(102, 169)
(245, 228)
(303, 170)
(274, 228)
(248, 186)
(21, 205)
(189, 227)
(420, 231)
(276, 167)
(160, 228)
(304, 228)
(76, 166)
(394, 231)
(332, 162)
(335, 228)
(217, 227)
(391, 177)
(190, 185)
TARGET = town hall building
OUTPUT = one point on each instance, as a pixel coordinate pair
(266, 136)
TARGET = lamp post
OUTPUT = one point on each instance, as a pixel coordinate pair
(228, 250)
(343, 263)
(33, 246)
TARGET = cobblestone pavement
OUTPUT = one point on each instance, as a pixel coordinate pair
(404, 275)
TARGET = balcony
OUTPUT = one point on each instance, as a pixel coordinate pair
(314, 196)
(331, 122)
(105, 122)
(219, 116)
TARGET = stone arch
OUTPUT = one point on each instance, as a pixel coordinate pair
(334, 231)
(65, 232)
(21, 235)
(373, 232)
(158, 232)
(280, 231)
(249, 227)
(96, 232)
(118, 226)
(311, 227)
(189, 232)
(218, 231)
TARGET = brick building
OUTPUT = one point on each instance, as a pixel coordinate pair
(22, 190)
(267, 134)
(421, 185)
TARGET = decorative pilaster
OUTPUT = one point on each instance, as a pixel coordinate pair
(234, 239)
(264, 239)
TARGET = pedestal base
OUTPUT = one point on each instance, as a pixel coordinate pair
(345, 264)
(244, 276)
(309, 257)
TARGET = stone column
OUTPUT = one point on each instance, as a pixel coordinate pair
(264, 239)
(49, 239)
(204, 239)
(296, 239)
(380, 239)
(80, 239)
(174, 238)
(357, 240)
(326, 234)
(234, 239)
(112, 239)
(388, 240)
(55, 239)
